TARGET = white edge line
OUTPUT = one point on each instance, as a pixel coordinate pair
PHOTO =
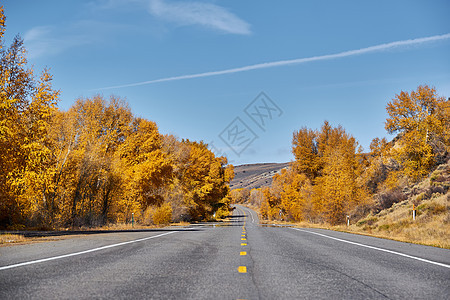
(81, 252)
(253, 220)
(379, 249)
(243, 210)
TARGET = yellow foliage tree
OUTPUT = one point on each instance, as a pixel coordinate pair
(26, 106)
(205, 179)
(306, 152)
(145, 168)
(422, 120)
(322, 183)
(240, 195)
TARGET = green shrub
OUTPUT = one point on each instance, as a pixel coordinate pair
(384, 227)
(434, 176)
(368, 221)
(361, 223)
(437, 208)
(372, 220)
(421, 197)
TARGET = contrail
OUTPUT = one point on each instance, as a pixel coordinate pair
(279, 63)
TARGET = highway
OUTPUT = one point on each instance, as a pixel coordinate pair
(240, 259)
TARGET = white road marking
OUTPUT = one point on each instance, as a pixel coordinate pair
(379, 249)
(251, 214)
(249, 211)
(81, 252)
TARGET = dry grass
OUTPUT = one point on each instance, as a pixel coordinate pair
(11, 238)
(180, 224)
(431, 227)
(129, 226)
(122, 226)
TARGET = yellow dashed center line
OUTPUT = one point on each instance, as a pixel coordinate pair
(242, 269)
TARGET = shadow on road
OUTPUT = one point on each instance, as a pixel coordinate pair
(78, 232)
(232, 222)
(236, 216)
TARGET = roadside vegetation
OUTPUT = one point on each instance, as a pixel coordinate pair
(332, 180)
(95, 164)
(8, 238)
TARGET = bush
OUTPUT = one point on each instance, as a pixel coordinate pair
(389, 198)
(163, 214)
(432, 208)
(437, 189)
(384, 227)
(434, 176)
(222, 212)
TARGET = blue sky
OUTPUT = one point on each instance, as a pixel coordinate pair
(194, 67)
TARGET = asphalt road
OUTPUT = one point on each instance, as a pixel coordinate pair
(239, 260)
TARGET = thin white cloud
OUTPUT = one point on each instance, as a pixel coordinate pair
(199, 13)
(377, 48)
(52, 40)
(99, 5)
(37, 33)
(46, 41)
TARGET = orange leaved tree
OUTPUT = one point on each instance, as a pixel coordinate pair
(422, 120)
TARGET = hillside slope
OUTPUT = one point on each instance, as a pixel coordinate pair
(253, 176)
(431, 200)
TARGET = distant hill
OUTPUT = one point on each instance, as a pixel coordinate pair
(255, 175)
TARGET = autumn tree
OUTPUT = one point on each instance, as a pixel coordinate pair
(256, 196)
(421, 119)
(309, 147)
(146, 168)
(322, 184)
(339, 180)
(376, 164)
(26, 107)
(294, 194)
(240, 195)
(306, 152)
(205, 180)
(270, 206)
(173, 193)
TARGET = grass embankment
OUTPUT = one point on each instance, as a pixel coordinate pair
(431, 198)
(11, 238)
(431, 226)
